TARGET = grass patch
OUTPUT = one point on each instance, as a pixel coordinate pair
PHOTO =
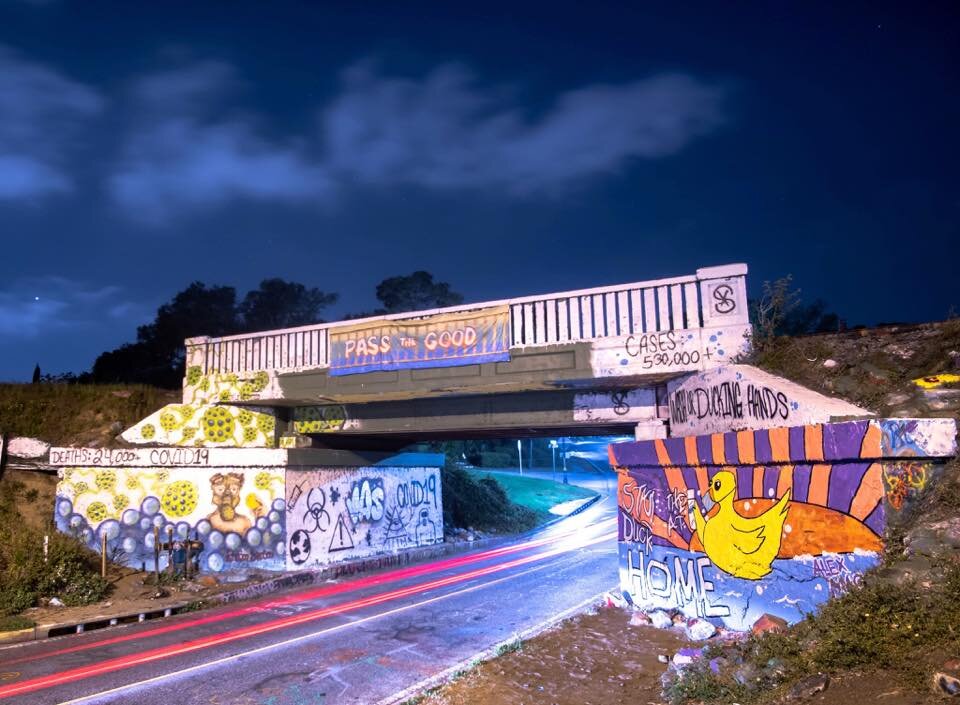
(509, 647)
(13, 623)
(536, 494)
(66, 413)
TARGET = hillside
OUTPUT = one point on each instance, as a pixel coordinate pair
(77, 414)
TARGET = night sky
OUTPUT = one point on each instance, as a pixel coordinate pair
(509, 149)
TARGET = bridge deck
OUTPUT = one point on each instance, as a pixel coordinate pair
(604, 338)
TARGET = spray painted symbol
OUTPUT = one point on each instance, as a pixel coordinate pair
(723, 299)
(342, 540)
(316, 501)
(620, 405)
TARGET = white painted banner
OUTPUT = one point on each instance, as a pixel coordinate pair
(738, 397)
(168, 457)
(669, 351)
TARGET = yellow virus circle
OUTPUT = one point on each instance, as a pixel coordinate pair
(169, 421)
(266, 423)
(148, 431)
(179, 499)
(246, 391)
(121, 502)
(97, 512)
(193, 375)
(189, 432)
(245, 417)
(260, 381)
(217, 424)
(250, 435)
(205, 384)
(106, 480)
(80, 488)
(186, 411)
(262, 481)
(132, 483)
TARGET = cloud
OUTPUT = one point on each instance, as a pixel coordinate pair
(36, 307)
(184, 153)
(447, 132)
(176, 160)
(40, 112)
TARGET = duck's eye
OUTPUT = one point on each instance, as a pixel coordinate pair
(716, 485)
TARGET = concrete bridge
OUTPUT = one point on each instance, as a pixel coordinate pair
(577, 362)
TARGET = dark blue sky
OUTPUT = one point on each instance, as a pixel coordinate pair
(508, 150)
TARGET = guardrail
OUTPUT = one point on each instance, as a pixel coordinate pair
(713, 295)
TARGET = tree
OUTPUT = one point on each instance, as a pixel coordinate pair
(36, 374)
(281, 304)
(415, 292)
(157, 356)
(779, 311)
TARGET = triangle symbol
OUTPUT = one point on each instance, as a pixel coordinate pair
(341, 540)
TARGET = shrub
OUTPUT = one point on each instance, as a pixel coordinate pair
(482, 504)
(71, 571)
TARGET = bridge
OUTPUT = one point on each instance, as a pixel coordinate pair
(576, 362)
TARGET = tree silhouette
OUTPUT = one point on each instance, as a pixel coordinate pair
(281, 304)
(412, 292)
(157, 356)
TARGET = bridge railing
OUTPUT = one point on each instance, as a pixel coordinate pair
(713, 296)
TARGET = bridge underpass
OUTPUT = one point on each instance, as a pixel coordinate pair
(583, 362)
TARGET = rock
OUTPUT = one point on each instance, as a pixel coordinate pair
(116, 428)
(55, 602)
(700, 629)
(809, 686)
(746, 673)
(660, 619)
(897, 398)
(639, 619)
(877, 373)
(952, 665)
(662, 658)
(686, 656)
(946, 684)
(942, 399)
(207, 581)
(769, 623)
(22, 447)
(829, 364)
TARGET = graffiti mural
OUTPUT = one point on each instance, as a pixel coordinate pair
(239, 515)
(735, 397)
(732, 526)
(322, 419)
(341, 514)
(205, 425)
(200, 388)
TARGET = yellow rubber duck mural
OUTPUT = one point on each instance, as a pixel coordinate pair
(741, 546)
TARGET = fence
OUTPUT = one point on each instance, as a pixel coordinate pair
(712, 295)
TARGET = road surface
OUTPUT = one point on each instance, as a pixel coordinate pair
(360, 640)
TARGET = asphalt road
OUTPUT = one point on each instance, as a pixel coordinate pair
(360, 640)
